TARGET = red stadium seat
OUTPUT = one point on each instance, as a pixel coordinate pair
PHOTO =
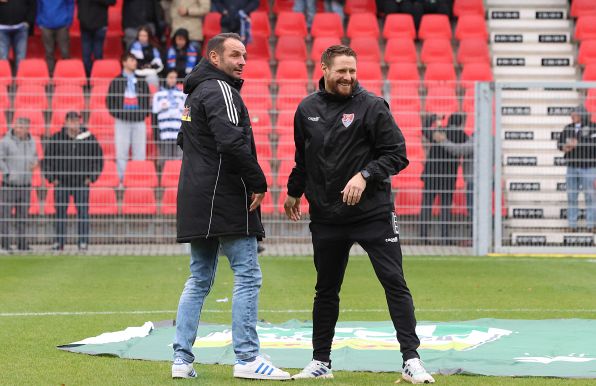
(290, 48)
(101, 123)
(33, 71)
(282, 6)
(363, 24)
(257, 71)
(403, 72)
(436, 51)
(71, 72)
(34, 207)
(327, 24)
(400, 50)
(31, 97)
(471, 26)
(291, 24)
(171, 173)
(267, 205)
(587, 52)
(434, 26)
(139, 201)
(104, 70)
(285, 147)
(405, 98)
(467, 7)
(585, 28)
(290, 94)
(291, 71)
(3, 127)
(266, 167)
(352, 7)
(115, 21)
(5, 73)
(211, 25)
(169, 201)
(260, 23)
(4, 99)
(370, 76)
(102, 202)
(259, 48)
(473, 51)
(66, 98)
(399, 25)
(582, 8)
(409, 123)
(261, 122)
(408, 199)
(439, 72)
(476, 72)
(367, 48)
(284, 170)
(263, 146)
(256, 96)
(319, 45)
(140, 174)
(108, 177)
(589, 72)
(441, 100)
(285, 123)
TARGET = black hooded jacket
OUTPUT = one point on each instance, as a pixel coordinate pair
(219, 163)
(93, 14)
(584, 154)
(336, 137)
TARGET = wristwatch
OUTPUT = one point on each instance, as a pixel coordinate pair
(365, 174)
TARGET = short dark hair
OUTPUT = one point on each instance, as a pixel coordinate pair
(216, 43)
(125, 56)
(337, 50)
(23, 121)
(73, 115)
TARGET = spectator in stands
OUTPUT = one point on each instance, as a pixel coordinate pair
(149, 62)
(18, 158)
(168, 105)
(54, 18)
(578, 143)
(188, 14)
(17, 18)
(128, 101)
(217, 206)
(308, 7)
(416, 8)
(139, 13)
(235, 16)
(440, 172)
(182, 56)
(73, 160)
(336, 6)
(93, 19)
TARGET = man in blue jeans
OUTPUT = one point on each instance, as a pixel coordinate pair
(93, 18)
(221, 187)
(17, 18)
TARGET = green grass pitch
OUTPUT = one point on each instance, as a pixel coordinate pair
(444, 289)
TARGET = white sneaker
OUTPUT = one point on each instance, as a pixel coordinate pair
(181, 369)
(315, 369)
(260, 368)
(414, 372)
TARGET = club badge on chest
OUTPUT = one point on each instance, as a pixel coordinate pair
(347, 119)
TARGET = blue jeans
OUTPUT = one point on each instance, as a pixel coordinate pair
(242, 254)
(581, 179)
(17, 39)
(81, 200)
(310, 6)
(92, 45)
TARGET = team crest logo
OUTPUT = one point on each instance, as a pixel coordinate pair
(186, 114)
(347, 119)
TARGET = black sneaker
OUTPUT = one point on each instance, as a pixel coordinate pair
(24, 248)
(57, 247)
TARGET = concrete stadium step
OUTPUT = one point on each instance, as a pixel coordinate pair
(526, 3)
(532, 108)
(536, 223)
(525, 135)
(535, 120)
(556, 198)
(528, 73)
(528, 13)
(539, 186)
(544, 37)
(552, 238)
(530, 25)
(526, 159)
(533, 146)
(508, 49)
(532, 211)
(533, 171)
(552, 60)
(546, 96)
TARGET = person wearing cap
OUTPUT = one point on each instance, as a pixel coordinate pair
(18, 158)
(578, 143)
(73, 161)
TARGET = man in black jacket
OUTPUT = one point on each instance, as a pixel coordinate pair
(128, 101)
(73, 160)
(221, 187)
(347, 148)
(17, 18)
(93, 19)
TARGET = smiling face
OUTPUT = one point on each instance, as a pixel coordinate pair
(232, 59)
(340, 76)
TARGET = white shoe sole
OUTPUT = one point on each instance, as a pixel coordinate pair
(410, 380)
(182, 374)
(262, 376)
(325, 376)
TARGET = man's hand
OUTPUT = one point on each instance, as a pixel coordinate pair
(87, 181)
(439, 136)
(182, 11)
(569, 145)
(353, 190)
(256, 200)
(292, 208)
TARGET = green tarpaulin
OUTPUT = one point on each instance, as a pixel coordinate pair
(560, 348)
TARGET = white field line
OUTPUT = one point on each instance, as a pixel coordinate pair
(350, 310)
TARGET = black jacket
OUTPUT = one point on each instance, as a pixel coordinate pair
(18, 11)
(231, 20)
(136, 13)
(115, 100)
(71, 160)
(219, 162)
(336, 137)
(93, 14)
(584, 154)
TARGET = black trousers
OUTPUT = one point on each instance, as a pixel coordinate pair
(442, 187)
(15, 198)
(380, 240)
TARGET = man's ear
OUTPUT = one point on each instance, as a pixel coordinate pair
(213, 58)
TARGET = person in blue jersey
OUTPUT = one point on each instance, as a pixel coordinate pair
(182, 56)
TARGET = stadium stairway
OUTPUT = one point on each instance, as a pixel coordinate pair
(531, 40)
